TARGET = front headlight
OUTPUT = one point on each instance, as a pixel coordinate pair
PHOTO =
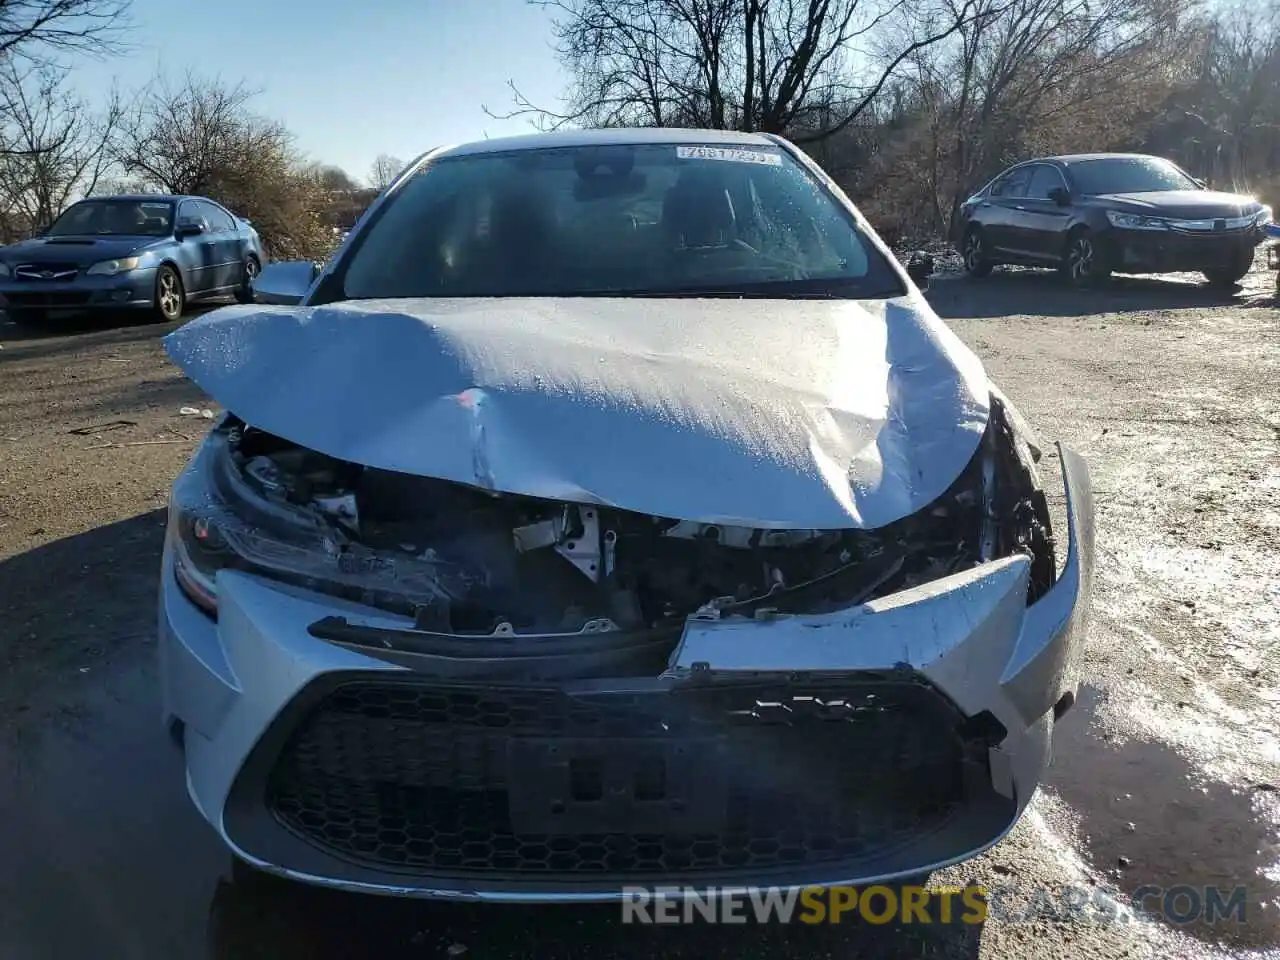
(218, 522)
(109, 268)
(1132, 221)
(5, 270)
(1264, 216)
(209, 537)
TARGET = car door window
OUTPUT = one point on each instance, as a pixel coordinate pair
(219, 219)
(187, 210)
(1044, 180)
(1012, 184)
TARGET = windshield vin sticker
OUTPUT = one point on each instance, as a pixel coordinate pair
(728, 153)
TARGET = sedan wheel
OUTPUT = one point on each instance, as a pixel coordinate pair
(1228, 276)
(244, 294)
(976, 263)
(1083, 265)
(169, 295)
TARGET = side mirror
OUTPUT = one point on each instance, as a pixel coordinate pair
(1061, 196)
(920, 268)
(191, 228)
(284, 283)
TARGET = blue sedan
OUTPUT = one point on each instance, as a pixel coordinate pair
(153, 253)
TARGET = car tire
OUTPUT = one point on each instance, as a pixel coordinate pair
(169, 299)
(1084, 262)
(977, 259)
(244, 293)
(1230, 275)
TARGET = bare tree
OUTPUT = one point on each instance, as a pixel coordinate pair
(384, 170)
(1030, 76)
(201, 137)
(345, 199)
(782, 66)
(114, 185)
(37, 28)
(336, 180)
(1225, 122)
(53, 146)
(184, 137)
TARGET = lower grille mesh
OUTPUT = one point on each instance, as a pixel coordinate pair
(458, 780)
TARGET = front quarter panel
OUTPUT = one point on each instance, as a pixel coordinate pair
(1092, 214)
(186, 256)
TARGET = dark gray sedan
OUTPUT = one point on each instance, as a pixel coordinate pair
(1090, 215)
(155, 253)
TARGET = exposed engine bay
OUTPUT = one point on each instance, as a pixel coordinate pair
(465, 561)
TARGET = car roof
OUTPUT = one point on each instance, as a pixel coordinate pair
(610, 137)
(150, 197)
(1068, 158)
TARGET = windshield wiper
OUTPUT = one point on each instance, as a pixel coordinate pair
(823, 288)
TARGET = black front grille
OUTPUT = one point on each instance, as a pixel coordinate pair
(48, 298)
(467, 780)
(46, 272)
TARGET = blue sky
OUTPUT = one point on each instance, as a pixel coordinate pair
(351, 78)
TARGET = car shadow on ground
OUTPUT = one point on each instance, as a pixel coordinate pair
(54, 328)
(1202, 838)
(267, 917)
(124, 326)
(80, 616)
(1043, 293)
(75, 600)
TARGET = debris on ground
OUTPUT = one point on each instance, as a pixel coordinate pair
(139, 443)
(195, 412)
(97, 428)
(946, 259)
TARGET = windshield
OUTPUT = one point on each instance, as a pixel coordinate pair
(130, 218)
(1128, 175)
(648, 220)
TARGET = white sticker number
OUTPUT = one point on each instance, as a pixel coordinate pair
(732, 154)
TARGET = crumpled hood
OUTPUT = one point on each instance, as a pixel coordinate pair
(760, 413)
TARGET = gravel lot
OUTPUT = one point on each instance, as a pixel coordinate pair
(1167, 770)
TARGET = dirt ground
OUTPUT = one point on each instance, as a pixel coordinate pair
(1166, 771)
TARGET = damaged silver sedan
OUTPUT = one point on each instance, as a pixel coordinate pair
(611, 510)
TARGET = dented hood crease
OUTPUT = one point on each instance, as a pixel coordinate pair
(763, 413)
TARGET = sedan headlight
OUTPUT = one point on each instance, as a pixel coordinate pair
(5, 270)
(1132, 221)
(217, 522)
(208, 537)
(1264, 216)
(109, 268)
(211, 528)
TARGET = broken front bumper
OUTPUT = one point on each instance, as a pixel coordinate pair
(872, 744)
